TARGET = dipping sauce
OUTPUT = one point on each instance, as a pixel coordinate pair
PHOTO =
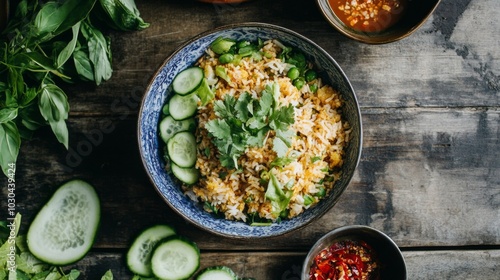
(368, 15)
(345, 260)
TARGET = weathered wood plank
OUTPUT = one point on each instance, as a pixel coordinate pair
(444, 64)
(480, 264)
(429, 174)
(426, 177)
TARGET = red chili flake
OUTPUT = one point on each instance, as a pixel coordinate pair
(349, 260)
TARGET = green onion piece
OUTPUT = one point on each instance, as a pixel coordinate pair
(221, 45)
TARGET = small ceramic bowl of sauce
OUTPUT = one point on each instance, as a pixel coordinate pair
(354, 252)
(377, 21)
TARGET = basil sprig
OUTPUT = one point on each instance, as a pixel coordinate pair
(47, 43)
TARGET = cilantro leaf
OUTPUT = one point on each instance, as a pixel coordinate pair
(221, 110)
(265, 102)
(229, 103)
(219, 129)
(246, 121)
(258, 139)
(242, 106)
(256, 123)
(282, 118)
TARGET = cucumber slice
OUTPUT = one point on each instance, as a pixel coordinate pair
(182, 149)
(183, 106)
(217, 273)
(188, 80)
(175, 258)
(65, 228)
(169, 127)
(139, 254)
(186, 175)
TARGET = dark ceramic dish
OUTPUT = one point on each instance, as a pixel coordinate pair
(416, 14)
(390, 259)
(157, 92)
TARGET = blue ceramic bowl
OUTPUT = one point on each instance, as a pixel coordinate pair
(157, 93)
(391, 261)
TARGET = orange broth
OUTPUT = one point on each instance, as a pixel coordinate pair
(368, 15)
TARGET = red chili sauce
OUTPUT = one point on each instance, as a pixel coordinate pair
(368, 15)
(349, 260)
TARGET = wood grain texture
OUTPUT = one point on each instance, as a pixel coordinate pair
(429, 174)
(480, 264)
(423, 179)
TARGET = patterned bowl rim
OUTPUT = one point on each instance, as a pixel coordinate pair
(232, 229)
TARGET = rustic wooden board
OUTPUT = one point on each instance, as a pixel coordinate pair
(429, 175)
(441, 65)
(422, 179)
(480, 264)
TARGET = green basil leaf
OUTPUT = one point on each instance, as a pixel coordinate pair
(57, 17)
(48, 19)
(83, 65)
(40, 61)
(22, 9)
(107, 276)
(10, 142)
(60, 131)
(54, 108)
(28, 96)
(7, 114)
(123, 14)
(53, 275)
(16, 83)
(57, 47)
(31, 118)
(53, 103)
(99, 52)
(66, 53)
(73, 275)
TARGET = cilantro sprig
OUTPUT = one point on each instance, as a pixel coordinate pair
(247, 122)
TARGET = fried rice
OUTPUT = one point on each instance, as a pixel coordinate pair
(317, 148)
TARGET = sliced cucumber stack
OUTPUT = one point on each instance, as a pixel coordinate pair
(178, 125)
(217, 273)
(175, 258)
(65, 228)
(139, 254)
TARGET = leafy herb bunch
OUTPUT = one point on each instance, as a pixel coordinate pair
(246, 122)
(48, 43)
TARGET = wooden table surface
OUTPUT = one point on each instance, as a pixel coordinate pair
(429, 175)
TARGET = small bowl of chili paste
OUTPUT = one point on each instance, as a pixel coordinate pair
(354, 253)
(377, 21)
